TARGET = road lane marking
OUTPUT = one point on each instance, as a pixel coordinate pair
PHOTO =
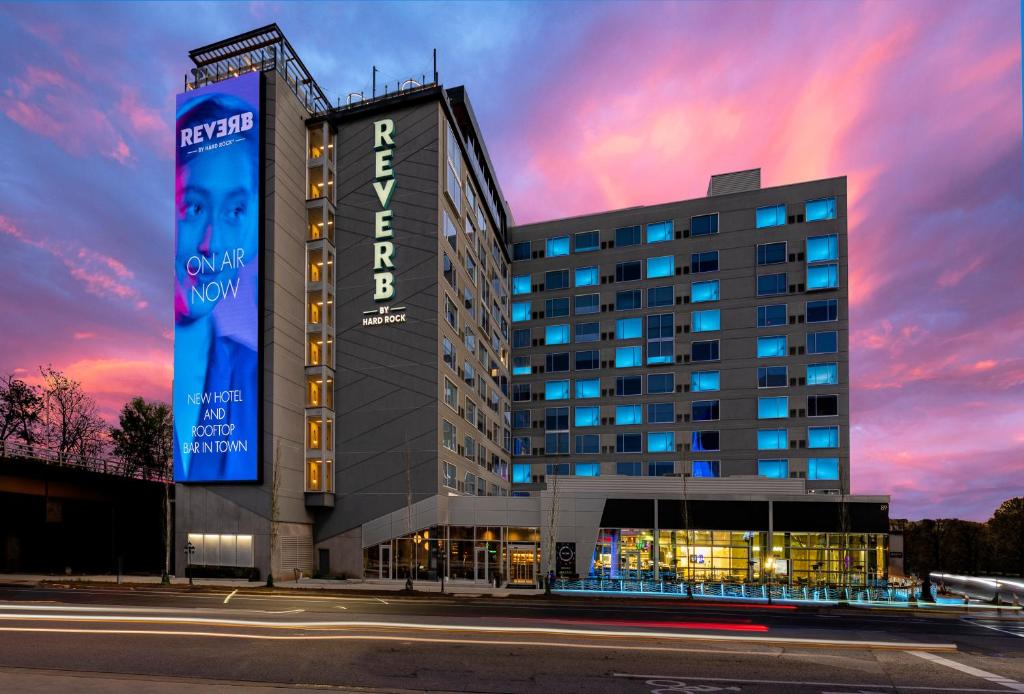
(973, 671)
(231, 595)
(281, 611)
(341, 607)
(383, 601)
(977, 623)
(884, 687)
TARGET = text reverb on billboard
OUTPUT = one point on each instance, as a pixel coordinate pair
(384, 184)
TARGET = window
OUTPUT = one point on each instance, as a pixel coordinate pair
(822, 276)
(704, 321)
(520, 311)
(704, 225)
(521, 445)
(826, 342)
(628, 443)
(588, 416)
(660, 339)
(706, 468)
(773, 469)
(587, 276)
(471, 268)
(520, 392)
(521, 419)
(771, 346)
(520, 474)
(556, 362)
(469, 447)
(448, 435)
(628, 271)
(629, 328)
(816, 210)
(704, 441)
(556, 279)
(556, 431)
(822, 248)
(769, 285)
(662, 266)
(557, 246)
(628, 414)
(449, 229)
(586, 241)
(468, 373)
(822, 405)
(704, 291)
(449, 352)
(660, 469)
(706, 350)
(771, 315)
(628, 357)
(450, 474)
(587, 360)
(451, 313)
(704, 262)
(453, 186)
(588, 444)
(588, 469)
(588, 388)
(660, 231)
(628, 300)
(520, 284)
(661, 383)
(555, 469)
(521, 337)
(521, 250)
(628, 385)
(588, 332)
(822, 311)
(704, 381)
(771, 216)
(449, 273)
(556, 390)
(823, 468)
(772, 440)
(451, 395)
(661, 441)
(822, 437)
(556, 308)
(773, 408)
(628, 469)
(661, 413)
(771, 253)
(772, 376)
(627, 236)
(704, 410)
(556, 334)
(521, 366)
(660, 296)
(823, 374)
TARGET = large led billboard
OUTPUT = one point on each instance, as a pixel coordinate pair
(216, 282)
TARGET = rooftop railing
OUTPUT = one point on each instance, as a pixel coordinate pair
(104, 465)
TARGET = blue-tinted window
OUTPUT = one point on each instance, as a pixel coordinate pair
(588, 303)
(556, 362)
(660, 341)
(660, 231)
(521, 337)
(521, 419)
(521, 445)
(587, 241)
(822, 276)
(822, 311)
(590, 359)
(520, 392)
(629, 414)
(556, 390)
(771, 253)
(628, 271)
(704, 441)
(822, 437)
(663, 266)
(627, 236)
(822, 248)
(772, 440)
(556, 308)
(521, 250)
(704, 291)
(588, 444)
(823, 374)
(703, 321)
(826, 342)
(520, 311)
(771, 316)
(588, 388)
(661, 413)
(588, 416)
(704, 410)
(588, 469)
(704, 224)
(628, 443)
(661, 383)
(820, 209)
(628, 385)
(520, 366)
(628, 300)
(704, 381)
(555, 469)
(706, 350)
(773, 408)
(556, 246)
(521, 284)
(661, 441)
(556, 334)
(660, 296)
(660, 469)
(704, 262)
(556, 279)
(629, 328)
(520, 474)
(588, 332)
(587, 276)
(769, 285)
(628, 469)
(628, 357)
(823, 468)
(774, 469)
(706, 468)
(772, 376)
(772, 216)
(771, 346)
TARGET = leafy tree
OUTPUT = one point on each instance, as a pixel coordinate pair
(70, 420)
(20, 408)
(1006, 528)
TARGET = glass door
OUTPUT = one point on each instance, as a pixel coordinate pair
(481, 564)
(385, 561)
(522, 559)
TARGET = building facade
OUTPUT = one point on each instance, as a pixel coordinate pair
(659, 392)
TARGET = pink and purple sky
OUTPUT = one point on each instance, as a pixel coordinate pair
(585, 107)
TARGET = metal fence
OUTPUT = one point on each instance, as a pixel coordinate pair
(741, 591)
(105, 465)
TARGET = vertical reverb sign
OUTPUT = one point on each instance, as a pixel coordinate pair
(384, 184)
(216, 282)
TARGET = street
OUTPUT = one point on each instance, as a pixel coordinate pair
(102, 639)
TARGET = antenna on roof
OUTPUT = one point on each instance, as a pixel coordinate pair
(374, 92)
(435, 66)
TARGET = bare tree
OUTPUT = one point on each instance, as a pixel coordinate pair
(70, 421)
(548, 547)
(275, 509)
(21, 406)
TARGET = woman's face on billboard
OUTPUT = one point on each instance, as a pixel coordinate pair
(218, 227)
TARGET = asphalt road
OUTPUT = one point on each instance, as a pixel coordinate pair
(113, 639)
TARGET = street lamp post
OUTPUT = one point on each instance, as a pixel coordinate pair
(190, 549)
